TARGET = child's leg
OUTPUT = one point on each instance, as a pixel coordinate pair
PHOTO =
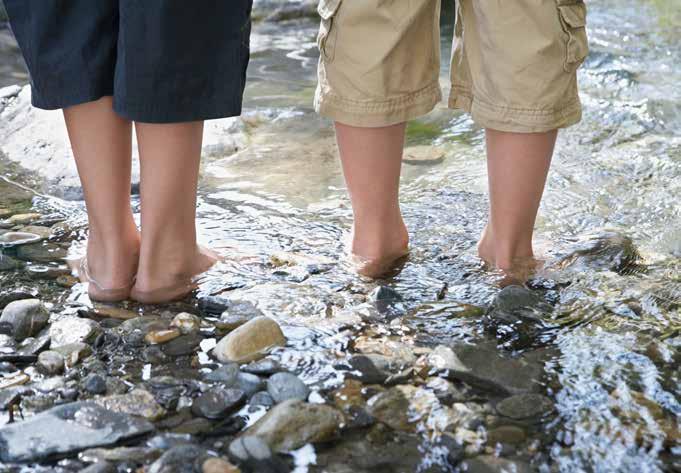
(169, 166)
(371, 159)
(518, 164)
(101, 142)
(379, 68)
(514, 70)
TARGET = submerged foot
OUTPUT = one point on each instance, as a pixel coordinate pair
(378, 256)
(109, 273)
(513, 267)
(174, 282)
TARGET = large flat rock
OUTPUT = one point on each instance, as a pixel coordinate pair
(66, 429)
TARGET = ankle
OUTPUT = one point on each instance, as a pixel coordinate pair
(504, 254)
(373, 241)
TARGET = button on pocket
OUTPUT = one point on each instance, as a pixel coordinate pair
(573, 20)
(326, 38)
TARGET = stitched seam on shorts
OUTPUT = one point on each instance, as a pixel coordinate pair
(527, 112)
(351, 105)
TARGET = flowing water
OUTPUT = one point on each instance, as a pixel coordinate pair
(610, 227)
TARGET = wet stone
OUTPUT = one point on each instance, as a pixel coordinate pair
(525, 406)
(42, 253)
(18, 238)
(24, 218)
(261, 399)
(47, 272)
(100, 467)
(137, 402)
(26, 317)
(182, 345)
(492, 464)
(35, 345)
(180, 459)
(225, 374)
(285, 386)
(264, 367)
(365, 370)
(7, 263)
(218, 465)
(392, 408)
(156, 337)
(137, 455)
(95, 384)
(6, 367)
(15, 379)
(248, 383)
(186, 323)
(50, 363)
(70, 330)
(609, 251)
(66, 429)
(387, 301)
(250, 342)
(217, 403)
(255, 455)
(292, 424)
(484, 367)
(509, 434)
(17, 294)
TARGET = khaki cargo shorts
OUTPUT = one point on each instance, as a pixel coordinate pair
(513, 65)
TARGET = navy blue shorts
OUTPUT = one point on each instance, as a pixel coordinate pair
(163, 61)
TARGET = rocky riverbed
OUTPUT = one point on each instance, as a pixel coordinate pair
(284, 360)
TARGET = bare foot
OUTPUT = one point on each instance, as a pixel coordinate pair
(376, 257)
(173, 282)
(108, 270)
(511, 268)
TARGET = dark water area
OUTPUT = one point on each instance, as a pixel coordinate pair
(434, 369)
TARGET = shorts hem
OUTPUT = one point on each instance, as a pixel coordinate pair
(515, 120)
(372, 114)
(66, 102)
(143, 114)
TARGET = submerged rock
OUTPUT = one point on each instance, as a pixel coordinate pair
(483, 367)
(525, 406)
(251, 341)
(492, 464)
(608, 251)
(26, 317)
(293, 423)
(66, 429)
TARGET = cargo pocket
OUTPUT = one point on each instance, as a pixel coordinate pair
(573, 20)
(326, 39)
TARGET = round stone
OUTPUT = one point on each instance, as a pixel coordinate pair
(525, 406)
(95, 384)
(50, 363)
(217, 403)
(285, 386)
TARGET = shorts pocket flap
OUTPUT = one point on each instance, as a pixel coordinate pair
(328, 8)
(574, 15)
